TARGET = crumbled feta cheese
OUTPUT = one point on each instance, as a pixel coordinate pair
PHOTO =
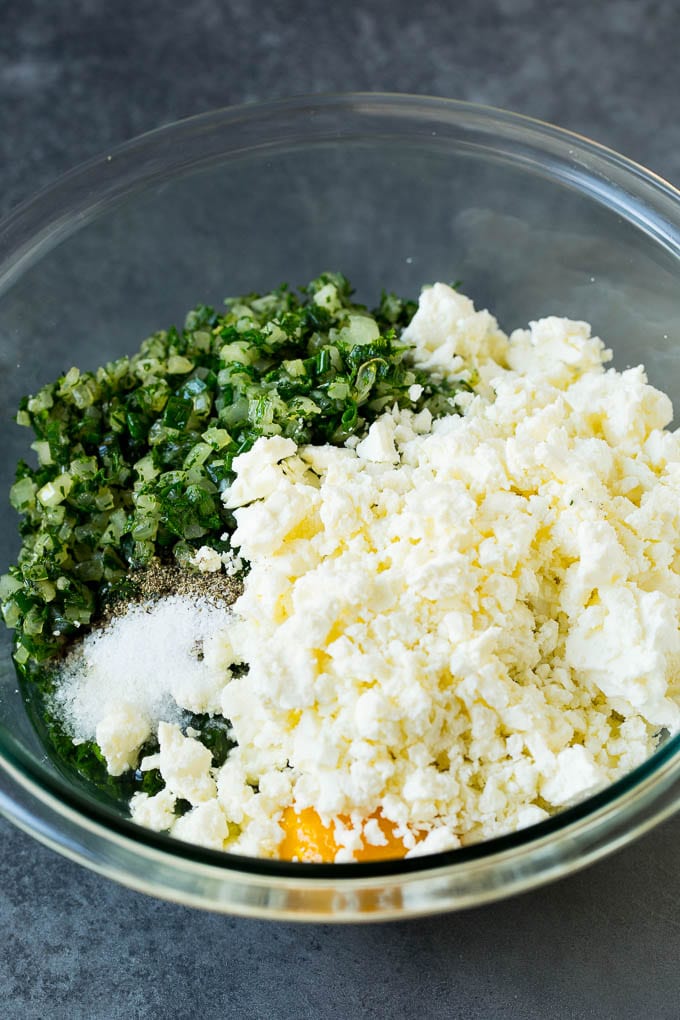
(207, 560)
(558, 350)
(576, 775)
(450, 337)
(157, 812)
(447, 625)
(379, 445)
(232, 563)
(120, 734)
(257, 471)
(373, 834)
(184, 763)
(205, 825)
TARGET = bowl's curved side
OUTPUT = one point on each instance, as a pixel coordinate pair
(337, 895)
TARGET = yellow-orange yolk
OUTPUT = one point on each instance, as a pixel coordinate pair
(308, 839)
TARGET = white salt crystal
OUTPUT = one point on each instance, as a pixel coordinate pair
(151, 659)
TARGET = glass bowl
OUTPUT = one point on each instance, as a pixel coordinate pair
(394, 191)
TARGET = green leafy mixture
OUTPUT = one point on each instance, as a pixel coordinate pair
(133, 458)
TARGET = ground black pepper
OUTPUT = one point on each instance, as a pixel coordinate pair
(159, 580)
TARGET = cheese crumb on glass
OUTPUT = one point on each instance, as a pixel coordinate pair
(451, 628)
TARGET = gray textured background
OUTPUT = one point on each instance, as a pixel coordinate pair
(78, 77)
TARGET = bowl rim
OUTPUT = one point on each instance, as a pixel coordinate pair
(39, 223)
(34, 223)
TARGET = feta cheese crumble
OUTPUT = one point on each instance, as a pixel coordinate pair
(459, 626)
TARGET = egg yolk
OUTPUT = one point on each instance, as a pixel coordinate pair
(308, 839)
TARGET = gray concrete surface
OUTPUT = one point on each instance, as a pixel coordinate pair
(78, 76)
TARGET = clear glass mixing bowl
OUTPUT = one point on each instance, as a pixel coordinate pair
(394, 191)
